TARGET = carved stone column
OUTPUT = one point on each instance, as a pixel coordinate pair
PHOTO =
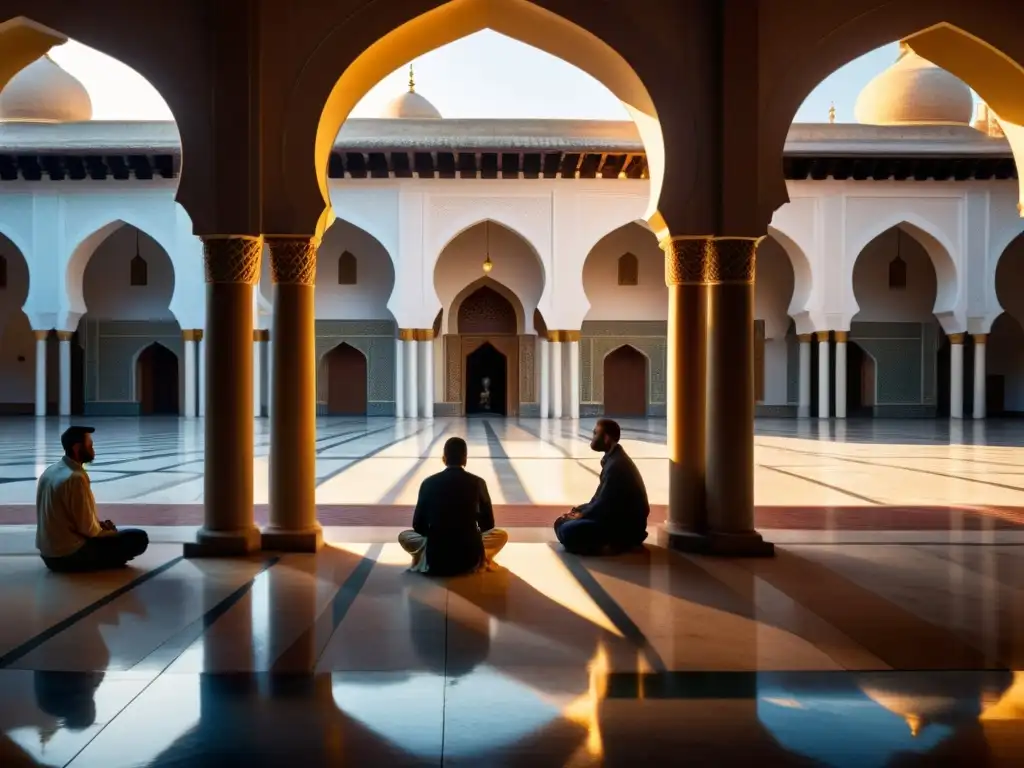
(842, 338)
(824, 366)
(293, 526)
(686, 388)
(956, 375)
(232, 269)
(980, 381)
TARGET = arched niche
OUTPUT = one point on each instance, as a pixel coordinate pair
(17, 342)
(347, 251)
(774, 287)
(343, 381)
(521, 20)
(516, 273)
(626, 382)
(158, 378)
(800, 268)
(1004, 358)
(611, 301)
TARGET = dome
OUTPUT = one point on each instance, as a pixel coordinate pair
(913, 91)
(410, 105)
(43, 92)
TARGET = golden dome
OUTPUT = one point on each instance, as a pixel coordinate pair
(913, 91)
(43, 92)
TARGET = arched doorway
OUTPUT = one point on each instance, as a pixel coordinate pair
(156, 381)
(486, 382)
(346, 381)
(625, 383)
(860, 381)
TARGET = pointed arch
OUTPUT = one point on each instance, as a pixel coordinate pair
(457, 222)
(802, 273)
(626, 371)
(450, 319)
(345, 382)
(156, 376)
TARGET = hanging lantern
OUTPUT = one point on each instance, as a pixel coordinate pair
(488, 264)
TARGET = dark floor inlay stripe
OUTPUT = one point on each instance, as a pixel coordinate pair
(48, 634)
(170, 650)
(612, 610)
(296, 657)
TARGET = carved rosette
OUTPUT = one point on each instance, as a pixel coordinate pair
(233, 259)
(292, 260)
(710, 260)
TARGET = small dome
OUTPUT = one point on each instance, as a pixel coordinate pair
(410, 105)
(913, 91)
(43, 92)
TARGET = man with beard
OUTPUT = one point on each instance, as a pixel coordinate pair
(615, 520)
(69, 536)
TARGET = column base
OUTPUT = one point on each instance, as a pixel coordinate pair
(716, 544)
(223, 543)
(285, 540)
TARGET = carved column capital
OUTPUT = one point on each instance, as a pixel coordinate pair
(563, 336)
(980, 338)
(842, 337)
(260, 335)
(822, 336)
(41, 335)
(65, 335)
(415, 334)
(957, 338)
(292, 259)
(232, 259)
(709, 260)
(805, 338)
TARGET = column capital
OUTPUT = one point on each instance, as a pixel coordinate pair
(292, 259)
(65, 335)
(822, 335)
(563, 336)
(199, 334)
(709, 260)
(260, 335)
(842, 337)
(415, 334)
(232, 258)
(805, 338)
(41, 335)
(980, 338)
(957, 338)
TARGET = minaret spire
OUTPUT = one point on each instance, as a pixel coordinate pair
(412, 79)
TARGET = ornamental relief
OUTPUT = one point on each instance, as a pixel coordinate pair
(527, 373)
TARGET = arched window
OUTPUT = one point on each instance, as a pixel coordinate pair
(3, 271)
(347, 269)
(629, 270)
(897, 274)
(139, 272)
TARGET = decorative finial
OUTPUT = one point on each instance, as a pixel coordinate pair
(412, 79)
(832, 112)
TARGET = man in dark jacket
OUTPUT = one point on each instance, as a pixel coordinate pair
(453, 526)
(615, 520)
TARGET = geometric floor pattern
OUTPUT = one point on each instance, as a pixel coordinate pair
(888, 630)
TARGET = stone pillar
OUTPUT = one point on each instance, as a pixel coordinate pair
(555, 345)
(956, 375)
(574, 373)
(64, 400)
(201, 360)
(823, 370)
(841, 339)
(980, 380)
(399, 378)
(293, 526)
(686, 260)
(545, 380)
(728, 268)
(232, 269)
(412, 389)
(41, 337)
(425, 366)
(803, 409)
(259, 339)
(189, 342)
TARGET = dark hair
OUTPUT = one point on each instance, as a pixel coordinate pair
(455, 452)
(610, 428)
(74, 436)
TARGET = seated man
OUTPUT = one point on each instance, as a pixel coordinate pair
(615, 520)
(69, 536)
(453, 526)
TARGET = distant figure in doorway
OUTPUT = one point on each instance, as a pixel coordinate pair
(485, 394)
(69, 536)
(615, 520)
(453, 526)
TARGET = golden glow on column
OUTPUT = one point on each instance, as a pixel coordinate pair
(586, 710)
(1009, 706)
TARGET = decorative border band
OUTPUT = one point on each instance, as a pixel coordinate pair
(564, 336)
(710, 260)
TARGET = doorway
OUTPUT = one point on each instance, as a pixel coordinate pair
(156, 381)
(346, 381)
(860, 381)
(486, 382)
(625, 383)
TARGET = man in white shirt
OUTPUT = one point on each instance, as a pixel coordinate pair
(69, 536)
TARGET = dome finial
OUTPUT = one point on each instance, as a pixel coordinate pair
(832, 112)
(412, 79)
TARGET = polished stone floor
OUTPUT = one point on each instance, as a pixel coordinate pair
(869, 655)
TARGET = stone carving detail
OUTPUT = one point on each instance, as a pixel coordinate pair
(453, 368)
(486, 311)
(233, 259)
(292, 260)
(710, 261)
(527, 375)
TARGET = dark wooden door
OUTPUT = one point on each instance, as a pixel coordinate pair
(625, 383)
(346, 381)
(157, 374)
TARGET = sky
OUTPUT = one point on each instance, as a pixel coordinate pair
(484, 75)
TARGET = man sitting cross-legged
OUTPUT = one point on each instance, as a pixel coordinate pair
(69, 536)
(615, 520)
(453, 526)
